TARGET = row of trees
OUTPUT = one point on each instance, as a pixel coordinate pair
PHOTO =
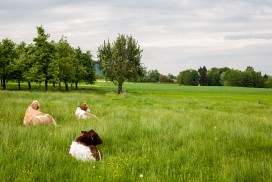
(44, 61)
(56, 62)
(224, 77)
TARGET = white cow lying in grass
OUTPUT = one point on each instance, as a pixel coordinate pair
(84, 147)
(83, 112)
(33, 116)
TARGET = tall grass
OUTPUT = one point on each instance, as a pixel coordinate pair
(155, 132)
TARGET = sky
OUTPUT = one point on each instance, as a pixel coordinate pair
(175, 35)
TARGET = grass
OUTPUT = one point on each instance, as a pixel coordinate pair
(157, 132)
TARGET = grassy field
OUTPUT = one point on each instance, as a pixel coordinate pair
(155, 132)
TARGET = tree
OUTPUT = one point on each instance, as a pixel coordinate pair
(268, 82)
(234, 78)
(44, 54)
(18, 66)
(203, 76)
(163, 79)
(153, 75)
(66, 70)
(85, 68)
(65, 61)
(188, 77)
(7, 56)
(120, 60)
(252, 78)
(27, 61)
(213, 77)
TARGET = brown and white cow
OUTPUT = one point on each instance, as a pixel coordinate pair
(84, 147)
(83, 112)
(33, 116)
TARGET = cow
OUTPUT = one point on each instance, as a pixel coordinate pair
(83, 112)
(33, 116)
(84, 147)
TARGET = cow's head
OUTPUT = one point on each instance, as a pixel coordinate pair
(89, 138)
(35, 105)
(85, 107)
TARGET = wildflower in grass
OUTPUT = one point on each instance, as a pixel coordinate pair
(93, 167)
(141, 175)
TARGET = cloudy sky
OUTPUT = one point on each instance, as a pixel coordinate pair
(174, 35)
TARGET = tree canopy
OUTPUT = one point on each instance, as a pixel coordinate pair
(45, 61)
(121, 60)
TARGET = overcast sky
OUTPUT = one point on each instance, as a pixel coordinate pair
(174, 35)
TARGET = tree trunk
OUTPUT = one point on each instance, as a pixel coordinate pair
(76, 85)
(66, 86)
(120, 88)
(29, 85)
(1, 82)
(19, 84)
(59, 85)
(46, 85)
(4, 83)
(54, 84)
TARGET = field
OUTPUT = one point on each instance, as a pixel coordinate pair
(153, 132)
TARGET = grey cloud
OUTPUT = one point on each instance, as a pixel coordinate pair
(249, 36)
(174, 34)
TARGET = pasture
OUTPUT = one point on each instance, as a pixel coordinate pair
(155, 132)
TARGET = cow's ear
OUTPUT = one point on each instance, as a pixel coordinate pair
(83, 132)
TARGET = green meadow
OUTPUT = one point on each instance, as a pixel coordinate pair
(152, 132)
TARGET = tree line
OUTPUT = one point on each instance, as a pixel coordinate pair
(53, 62)
(224, 77)
(45, 61)
(213, 77)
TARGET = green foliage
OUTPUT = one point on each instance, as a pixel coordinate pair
(120, 61)
(153, 75)
(248, 78)
(268, 82)
(188, 77)
(213, 77)
(43, 54)
(45, 62)
(158, 132)
(203, 76)
(7, 56)
(165, 79)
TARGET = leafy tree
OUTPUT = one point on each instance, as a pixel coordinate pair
(153, 75)
(234, 78)
(27, 60)
(66, 70)
(188, 77)
(18, 67)
(120, 60)
(170, 76)
(203, 76)
(213, 77)
(163, 79)
(268, 82)
(86, 65)
(44, 54)
(7, 56)
(252, 78)
(222, 72)
(65, 61)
